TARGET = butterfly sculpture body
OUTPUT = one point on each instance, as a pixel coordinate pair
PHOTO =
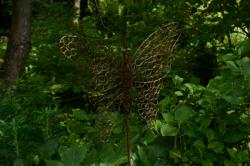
(144, 69)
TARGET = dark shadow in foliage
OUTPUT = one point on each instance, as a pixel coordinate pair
(71, 99)
(5, 18)
(205, 63)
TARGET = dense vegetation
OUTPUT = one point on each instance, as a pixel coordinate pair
(46, 117)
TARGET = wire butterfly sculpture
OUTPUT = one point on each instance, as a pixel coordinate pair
(121, 79)
(146, 64)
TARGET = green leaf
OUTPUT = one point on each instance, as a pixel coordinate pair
(18, 162)
(80, 115)
(117, 130)
(120, 161)
(73, 155)
(143, 157)
(206, 163)
(190, 87)
(222, 127)
(244, 63)
(157, 124)
(54, 163)
(234, 96)
(164, 103)
(190, 130)
(115, 117)
(232, 152)
(243, 155)
(210, 134)
(234, 136)
(168, 117)
(244, 48)
(198, 144)
(227, 57)
(51, 147)
(229, 163)
(175, 153)
(177, 80)
(216, 146)
(106, 151)
(91, 157)
(206, 121)
(232, 66)
(169, 130)
(183, 113)
(79, 128)
(149, 136)
(178, 93)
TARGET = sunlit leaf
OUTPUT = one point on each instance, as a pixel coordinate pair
(169, 130)
(190, 87)
(178, 93)
(177, 80)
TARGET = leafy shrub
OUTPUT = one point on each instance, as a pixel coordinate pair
(204, 125)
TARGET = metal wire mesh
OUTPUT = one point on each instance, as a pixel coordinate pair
(148, 63)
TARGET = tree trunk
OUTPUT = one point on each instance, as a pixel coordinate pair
(76, 18)
(19, 44)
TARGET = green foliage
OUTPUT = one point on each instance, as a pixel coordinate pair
(208, 124)
(71, 156)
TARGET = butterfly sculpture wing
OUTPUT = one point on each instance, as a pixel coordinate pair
(68, 46)
(103, 87)
(151, 58)
(104, 84)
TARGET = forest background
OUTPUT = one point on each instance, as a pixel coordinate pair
(46, 117)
